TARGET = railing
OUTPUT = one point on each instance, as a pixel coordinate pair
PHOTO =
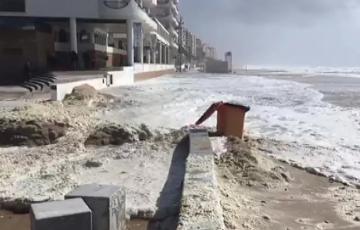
(164, 13)
(162, 31)
(119, 4)
(116, 4)
(163, 1)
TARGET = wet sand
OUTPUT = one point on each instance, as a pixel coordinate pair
(301, 206)
(11, 221)
(302, 201)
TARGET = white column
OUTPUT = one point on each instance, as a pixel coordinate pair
(130, 42)
(107, 40)
(153, 56)
(142, 47)
(73, 35)
(167, 54)
(160, 53)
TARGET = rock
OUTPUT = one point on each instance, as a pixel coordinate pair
(83, 92)
(87, 95)
(92, 164)
(18, 206)
(144, 133)
(112, 135)
(357, 219)
(30, 133)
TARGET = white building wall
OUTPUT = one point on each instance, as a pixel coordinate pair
(60, 8)
(143, 68)
(120, 78)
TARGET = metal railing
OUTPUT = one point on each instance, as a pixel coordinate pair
(162, 31)
(116, 4)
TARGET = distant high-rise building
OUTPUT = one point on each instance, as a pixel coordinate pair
(210, 52)
(190, 45)
(199, 50)
(228, 59)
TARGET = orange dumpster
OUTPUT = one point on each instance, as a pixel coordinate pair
(230, 118)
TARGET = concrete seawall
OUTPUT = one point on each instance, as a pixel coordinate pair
(200, 205)
(68, 81)
(150, 75)
(125, 76)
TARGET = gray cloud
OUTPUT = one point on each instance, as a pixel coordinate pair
(291, 32)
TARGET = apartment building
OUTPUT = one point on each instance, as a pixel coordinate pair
(190, 46)
(167, 12)
(200, 53)
(83, 34)
(210, 52)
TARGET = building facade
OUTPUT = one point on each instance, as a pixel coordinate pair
(228, 59)
(81, 35)
(167, 12)
(190, 46)
(210, 52)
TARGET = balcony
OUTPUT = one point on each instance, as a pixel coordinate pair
(167, 14)
(174, 44)
(163, 33)
(126, 9)
(149, 3)
(176, 10)
(173, 31)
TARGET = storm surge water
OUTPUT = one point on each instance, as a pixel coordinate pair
(306, 130)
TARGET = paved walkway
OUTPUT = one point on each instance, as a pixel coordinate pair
(10, 93)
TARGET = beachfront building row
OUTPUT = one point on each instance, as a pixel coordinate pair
(86, 34)
(197, 51)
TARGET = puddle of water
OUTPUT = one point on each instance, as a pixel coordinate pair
(138, 225)
(11, 221)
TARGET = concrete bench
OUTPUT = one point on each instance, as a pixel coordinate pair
(107, 203)
(61, 215)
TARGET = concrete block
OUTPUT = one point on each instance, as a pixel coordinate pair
(71, 214)
(107, 203)
(199, 141)
(200, 204)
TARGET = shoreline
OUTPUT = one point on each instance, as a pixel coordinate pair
(142, 166)
(325, 84)
(274, 195)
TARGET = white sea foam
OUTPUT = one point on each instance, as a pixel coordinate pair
(307, 71)
(326, 136)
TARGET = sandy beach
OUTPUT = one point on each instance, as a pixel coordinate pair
(298, 122)
(258, 192)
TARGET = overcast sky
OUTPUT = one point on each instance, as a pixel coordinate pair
(279, 32)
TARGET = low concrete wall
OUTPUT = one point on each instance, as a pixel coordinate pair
(98, 80)
(216, 66)
(67, 81)
(150, 75)
(200, 205)
(142, 68)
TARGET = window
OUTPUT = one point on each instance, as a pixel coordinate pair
(100, 38)
(121, 45)
(12, 5)
(84, 36)
(63, 36)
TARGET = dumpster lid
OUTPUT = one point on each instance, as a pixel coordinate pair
(238, 105)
